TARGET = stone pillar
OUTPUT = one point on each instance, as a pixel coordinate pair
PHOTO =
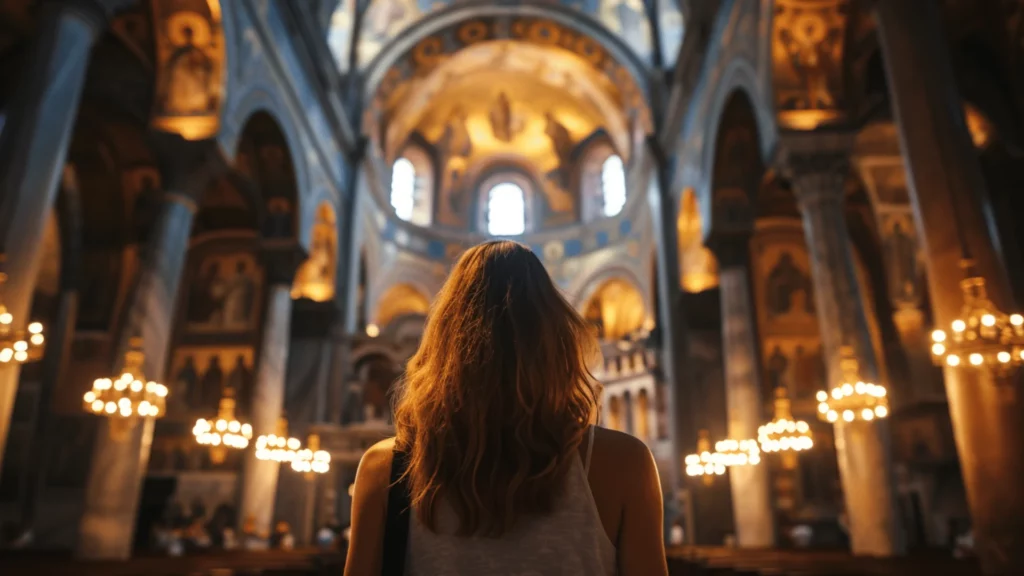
(818, 167)
(671, 331)
(259, 478)
(751, 489)
(947, 192)
(119, 461)
(33, 145)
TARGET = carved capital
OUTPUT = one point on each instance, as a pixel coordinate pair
(731, 250)
(187, 167)
(817, 164)
(282, 259)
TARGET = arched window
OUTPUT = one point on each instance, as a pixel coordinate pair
(613, 185)
(506, 210)
(403, 188)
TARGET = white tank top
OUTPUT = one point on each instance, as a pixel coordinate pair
(569, 541)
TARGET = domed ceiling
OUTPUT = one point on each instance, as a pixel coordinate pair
(386, 20)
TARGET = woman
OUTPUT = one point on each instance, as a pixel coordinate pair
(505, 474)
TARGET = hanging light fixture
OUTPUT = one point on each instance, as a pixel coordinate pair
(738, 452)
(312, 460)
(983, 336)
(129, 396)
(784, 433)
(16, 345)
(705, 463)
(278, 447)
(223, 433)
(854, 399)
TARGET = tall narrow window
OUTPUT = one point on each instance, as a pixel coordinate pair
(613, 185)
(506, 210)
(403, 188)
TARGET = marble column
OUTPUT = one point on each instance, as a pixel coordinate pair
(947, 192)
(259, 478)
(33, 145)
(818, 167)
(119, 461)
(751, 490)
(682, 434)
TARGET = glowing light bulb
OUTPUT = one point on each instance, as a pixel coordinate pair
(1017, 320)
(35, 328)
(822, 396)
(37, 339)
(848, 415)
(881, 411)
(939, 336)
(954, 360)
(867, 414)
(6, 318)
(938, 349)
(988, 320)
(959, 326)
(832, 415)
(1003, 356)
(823, 408)
(372, 330)
(976, 359)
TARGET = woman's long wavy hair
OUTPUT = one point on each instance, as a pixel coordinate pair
(495, 403)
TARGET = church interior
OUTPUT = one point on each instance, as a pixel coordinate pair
(791, 224)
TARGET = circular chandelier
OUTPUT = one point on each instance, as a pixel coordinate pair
(983, 336)
(785, 433)
(16, 345)
(312, 459)
(854, 399)
(738, 452)
(278, 447)
(223, 433)
(705, 463)
(129, 396)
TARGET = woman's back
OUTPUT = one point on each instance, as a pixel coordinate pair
(607, 522)
(492, 417)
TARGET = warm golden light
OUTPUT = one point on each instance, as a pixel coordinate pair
(854, 398)
(985, 336)
(223, 432)
(18, 345)
(372, 330)
(130, 396)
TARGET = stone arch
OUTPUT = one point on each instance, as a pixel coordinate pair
(457, 13)
(316, 278)
(740, 76)
(736, 168)
(617, 308)
(266, 159)
(263, 100)
(399, 300)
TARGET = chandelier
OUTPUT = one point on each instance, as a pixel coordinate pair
(738, 452)
(983, 336)
(705, 463)
(129, 396)
(312, 459)
(223, 433)
(17, 345)
(854, 399)
(278, 447)
(785, 433)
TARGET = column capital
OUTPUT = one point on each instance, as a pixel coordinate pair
(817, 164)
(731, 250)
(282, 259)
(187, 167)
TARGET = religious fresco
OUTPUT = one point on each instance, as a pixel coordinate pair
(315, 278)
(784, 293)
(190, 67)
(224, 294)
(386, 20)
(807, 52)
(902, 254)
(201, 375)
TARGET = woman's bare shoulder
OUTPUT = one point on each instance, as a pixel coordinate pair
(615, 445)
(375, 467)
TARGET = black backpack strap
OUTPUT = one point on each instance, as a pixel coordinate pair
(396, 526)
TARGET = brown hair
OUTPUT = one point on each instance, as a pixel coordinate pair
(497, 399)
